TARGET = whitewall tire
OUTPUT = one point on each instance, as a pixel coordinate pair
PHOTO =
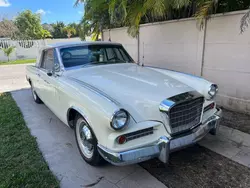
(34, 95)
(86, 142)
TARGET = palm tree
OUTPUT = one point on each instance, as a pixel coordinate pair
(69, 30)
(8, 51)
(96, 18)
(131, 12)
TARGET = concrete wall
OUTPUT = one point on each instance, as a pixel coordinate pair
(219, 52)
(129, 43)
(169, 45)
(227, 60)
(28, 49)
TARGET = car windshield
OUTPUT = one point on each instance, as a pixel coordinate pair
(94, 55)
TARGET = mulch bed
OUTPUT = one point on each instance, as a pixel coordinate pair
(199, 167)
(236, 120)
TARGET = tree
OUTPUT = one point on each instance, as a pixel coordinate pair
(58, 30)
(7, 28)
(69, 30)
(133, 13)
(48, 27)
(76, 27)
(8, 51)
(96, 18)
(29, 25)
(45, 34)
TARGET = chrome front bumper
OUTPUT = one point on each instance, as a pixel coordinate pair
(163, 147)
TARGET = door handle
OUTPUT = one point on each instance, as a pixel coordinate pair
(38, 74)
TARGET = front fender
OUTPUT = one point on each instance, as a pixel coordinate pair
(96, 109)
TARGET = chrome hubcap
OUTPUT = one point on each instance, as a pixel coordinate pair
(84, 138)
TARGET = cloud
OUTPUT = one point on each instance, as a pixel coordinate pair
(80, 12)
(40, 11)
(4, 3)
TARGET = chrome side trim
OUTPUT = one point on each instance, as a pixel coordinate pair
(95, 90)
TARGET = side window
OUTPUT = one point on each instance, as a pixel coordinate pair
(118, 54)
(42, 60)
(124, 55)
(48, 60)
(56, 62)
(110, 53)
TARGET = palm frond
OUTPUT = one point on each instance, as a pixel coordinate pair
(77, 2)
(205, 9)
(177, 4)
(8, 51)
(244, 22)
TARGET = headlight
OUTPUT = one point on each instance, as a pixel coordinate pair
(213, 90)
(119, 120)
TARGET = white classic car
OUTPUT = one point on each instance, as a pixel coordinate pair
(121, 111)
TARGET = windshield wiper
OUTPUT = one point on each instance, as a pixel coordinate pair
(93, 63)
(104, 62)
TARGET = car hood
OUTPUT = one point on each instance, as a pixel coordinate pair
(139, 90)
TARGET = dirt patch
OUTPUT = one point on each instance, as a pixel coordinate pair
(199, 167)
(236, 120)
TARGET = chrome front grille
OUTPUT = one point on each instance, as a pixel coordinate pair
(185, 115)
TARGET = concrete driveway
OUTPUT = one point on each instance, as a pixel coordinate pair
(12, 77)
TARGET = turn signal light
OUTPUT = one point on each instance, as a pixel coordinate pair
(212, 105)
(121, 139)
(209, 107)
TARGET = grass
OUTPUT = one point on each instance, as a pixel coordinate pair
(19, 61)
(21, 162)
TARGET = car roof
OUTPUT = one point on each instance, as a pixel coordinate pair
(79, 43)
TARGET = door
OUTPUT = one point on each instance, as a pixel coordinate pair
(49, 79)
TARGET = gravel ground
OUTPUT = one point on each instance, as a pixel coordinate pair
(236, 120)
(199, 167)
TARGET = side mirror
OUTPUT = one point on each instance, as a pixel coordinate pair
(50, 73)
(57, 67)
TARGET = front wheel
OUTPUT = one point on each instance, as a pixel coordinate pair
(86, 142)
(35, 97)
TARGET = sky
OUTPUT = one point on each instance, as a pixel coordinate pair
(51, 10)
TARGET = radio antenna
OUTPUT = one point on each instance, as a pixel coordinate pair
(142, 56)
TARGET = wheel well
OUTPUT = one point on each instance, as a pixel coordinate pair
(71, 116)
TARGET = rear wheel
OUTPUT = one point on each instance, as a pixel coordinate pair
(86, 142)
(35, 97)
